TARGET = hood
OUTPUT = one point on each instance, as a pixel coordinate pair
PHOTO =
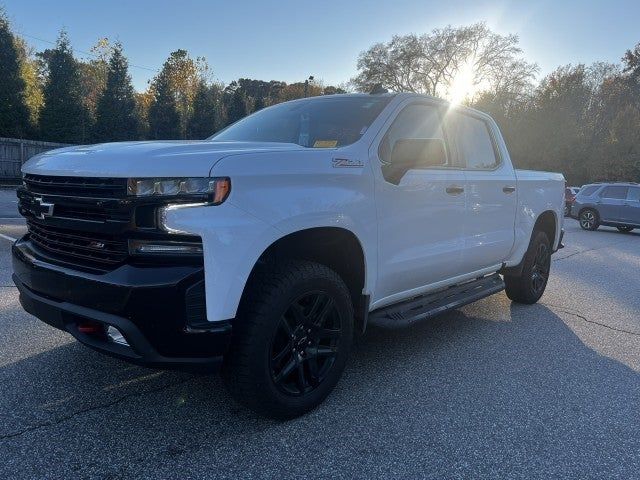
(143, 159)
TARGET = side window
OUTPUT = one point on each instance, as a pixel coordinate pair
(588, 191)
(415, 122)
(634, 194)
(473, 141)
(615, 192)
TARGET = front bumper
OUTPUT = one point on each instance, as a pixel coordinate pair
(151, 306)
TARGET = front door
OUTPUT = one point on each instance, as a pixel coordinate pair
(420, 212)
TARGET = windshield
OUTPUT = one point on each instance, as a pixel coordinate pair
(314, 122)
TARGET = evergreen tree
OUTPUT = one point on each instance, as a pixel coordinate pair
(164, 118)
(116, 118)
(14, 115)
(237, 108)
(64, 118)
(205, 118)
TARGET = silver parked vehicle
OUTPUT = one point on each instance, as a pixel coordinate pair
(611, 204)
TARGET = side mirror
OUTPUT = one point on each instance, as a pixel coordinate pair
(415, 153)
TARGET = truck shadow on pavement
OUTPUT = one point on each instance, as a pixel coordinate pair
(493, 389)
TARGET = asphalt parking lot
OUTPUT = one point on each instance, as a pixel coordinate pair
(491, 390)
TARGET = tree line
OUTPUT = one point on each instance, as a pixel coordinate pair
(581, 120)
(52, 95)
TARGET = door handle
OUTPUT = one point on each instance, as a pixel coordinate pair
(508, 189)
(454, 189)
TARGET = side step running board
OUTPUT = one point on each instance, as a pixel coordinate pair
(418, 308)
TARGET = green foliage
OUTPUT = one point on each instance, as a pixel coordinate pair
(14, 115)
(237, 107)
(207, 116)
(64, 117)
(116, 115)
(164, 118)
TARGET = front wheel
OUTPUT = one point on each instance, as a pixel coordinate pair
(589, 219)
(529, 286)
(625, 229)
(291, 339)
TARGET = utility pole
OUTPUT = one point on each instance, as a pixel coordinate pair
(306, 85)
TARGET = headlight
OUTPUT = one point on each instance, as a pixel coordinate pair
(215, 189)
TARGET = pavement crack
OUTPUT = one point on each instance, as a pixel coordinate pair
(586, 250)
(66, 418)
(585, 319)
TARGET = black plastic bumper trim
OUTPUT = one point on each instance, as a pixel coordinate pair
(65, 316)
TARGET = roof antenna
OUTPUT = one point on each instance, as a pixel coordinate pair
(378, 89)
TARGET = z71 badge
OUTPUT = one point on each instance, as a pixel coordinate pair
(347, 163)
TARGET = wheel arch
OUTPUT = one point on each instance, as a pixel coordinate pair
(335, 247)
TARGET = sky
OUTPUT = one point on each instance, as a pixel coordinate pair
(291, 40)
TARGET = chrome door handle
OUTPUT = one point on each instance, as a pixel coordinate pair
(508, 189)
(454, 189)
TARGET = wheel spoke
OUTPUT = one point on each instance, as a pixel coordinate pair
(321, 351)
(298, 314)
(284, 324)
(301, 379)
(322, 333)
(286, 370)
(280, 356)
(324, 313)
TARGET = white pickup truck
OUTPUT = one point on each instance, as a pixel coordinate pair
(267, 247)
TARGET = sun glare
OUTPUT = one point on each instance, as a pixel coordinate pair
(463, 85)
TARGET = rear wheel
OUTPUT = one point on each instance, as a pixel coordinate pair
(529, 286)
(625, 229)
(589, 219)
(291, 340)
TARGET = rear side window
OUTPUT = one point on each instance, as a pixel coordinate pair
(615, 192)
(634, 194)
(473, 141)
(588, 191)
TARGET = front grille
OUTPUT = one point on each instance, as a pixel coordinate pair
(77, 186)
(91, 247)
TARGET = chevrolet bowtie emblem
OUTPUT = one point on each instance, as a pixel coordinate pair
(42, 209)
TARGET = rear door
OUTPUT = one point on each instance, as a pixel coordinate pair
(491, 192)
(631, 206)
(610, 203)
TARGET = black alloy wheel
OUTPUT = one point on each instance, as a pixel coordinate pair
(305, 344)
(540, 269)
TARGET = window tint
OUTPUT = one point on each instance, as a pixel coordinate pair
(634, 194)
(616, 192)
(473, 141)
(588, 191)
(414, 122)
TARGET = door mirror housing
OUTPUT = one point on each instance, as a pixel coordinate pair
(415, 153)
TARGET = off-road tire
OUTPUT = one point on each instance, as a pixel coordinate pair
(529, 286)
(271, 292)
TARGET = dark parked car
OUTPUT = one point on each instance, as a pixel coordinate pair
(612, 204)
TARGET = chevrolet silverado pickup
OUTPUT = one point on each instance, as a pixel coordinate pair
(264, 249)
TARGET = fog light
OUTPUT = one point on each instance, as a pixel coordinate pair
(152, 247)
(116, 336)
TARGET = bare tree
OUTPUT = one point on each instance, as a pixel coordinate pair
(430, 63)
